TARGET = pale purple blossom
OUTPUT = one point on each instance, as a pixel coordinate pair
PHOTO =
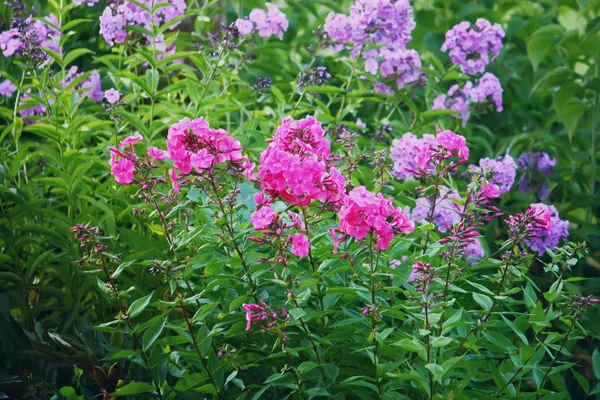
(488, 87)
(116, 18)
(42, 32)
(404, 152)
(387, 24)
(447, 211)
(273, 22)
(112, 95)
(503, 170)
(474, 251)
(473, 48)
(549, 238)
(456, 100)
(244, 26)
(90, 86)
(537, 167)
(7, 88)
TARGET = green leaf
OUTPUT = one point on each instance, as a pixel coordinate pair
(191, 381)
(153, 332)
(134, 388)
(441, 341)
(139, 305)
(75, 54)
(498, 339)
(307, 366)
(596, 363)
(278, 94)
(69, 393)
(484, 301)
(585, 384)
(297, 313)
(436, 370)
(410, 345)
(541, 42)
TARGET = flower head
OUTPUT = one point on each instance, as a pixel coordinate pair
(300, 245)
(473, 48)
(112, 96)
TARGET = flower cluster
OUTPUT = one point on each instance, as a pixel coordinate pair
(500, 173)
(193, 144)
(262, 313)
(7, 88)
(295, 166)
(456, 99)
(471, 47)
(421, 276)
(554, 230)
(122, 165)
(446, 213)
(270, 23)
(487, 89)
(415, 157)
(364, 212)
(317, 77)
(540, 226)
(27, 36)
(388, 24)
(116, 18)
(474, 251)
(532, 163)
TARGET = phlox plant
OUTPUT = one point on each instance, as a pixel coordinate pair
(256, 200)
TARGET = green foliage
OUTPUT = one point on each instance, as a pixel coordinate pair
(81, 324)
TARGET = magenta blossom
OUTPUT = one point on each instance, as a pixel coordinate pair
(193, 144)
(300, 245)
(364, 212)
(157, 154)
(490, 190)
(263, 217)
(174, 180)
(121, 167)
(129, 141)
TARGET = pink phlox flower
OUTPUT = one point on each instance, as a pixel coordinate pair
(131, 140)
(157, 154)
(174, 180)
(121, 167)
(300, 245)
(490, 190)
(263, 217)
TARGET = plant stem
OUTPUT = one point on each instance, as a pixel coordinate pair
(195, 343)
(593, 149)
(136, 344)
(556, 353)
(231, 232)
(431, 382)
(312, 261)
(486, 315)
(432, 211)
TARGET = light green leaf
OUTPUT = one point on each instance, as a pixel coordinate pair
(134, 388)
(139, 305)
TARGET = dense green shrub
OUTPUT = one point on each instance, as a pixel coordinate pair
(213, 199)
